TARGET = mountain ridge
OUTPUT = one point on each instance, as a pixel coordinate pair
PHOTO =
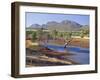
(65, 25)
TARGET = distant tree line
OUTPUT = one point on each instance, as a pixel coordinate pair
(54, 34)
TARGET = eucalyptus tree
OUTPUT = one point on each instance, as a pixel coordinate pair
(55, 33)
(34, 36)
(40, 33)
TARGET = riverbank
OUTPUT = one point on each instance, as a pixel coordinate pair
(43, 60)
(78, 42)
(41, 57)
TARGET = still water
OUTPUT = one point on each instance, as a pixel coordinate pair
(81, 54)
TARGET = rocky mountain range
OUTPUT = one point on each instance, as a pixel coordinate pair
(65, 25)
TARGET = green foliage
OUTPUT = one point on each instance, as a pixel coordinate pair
(84, 32)
(29, 32)
(75, 33)
(40, 33)
(61, 35)
(34, 36)
(55, 33)
(69, 35)
(49, 36)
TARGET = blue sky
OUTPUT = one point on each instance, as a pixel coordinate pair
(43, 18)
